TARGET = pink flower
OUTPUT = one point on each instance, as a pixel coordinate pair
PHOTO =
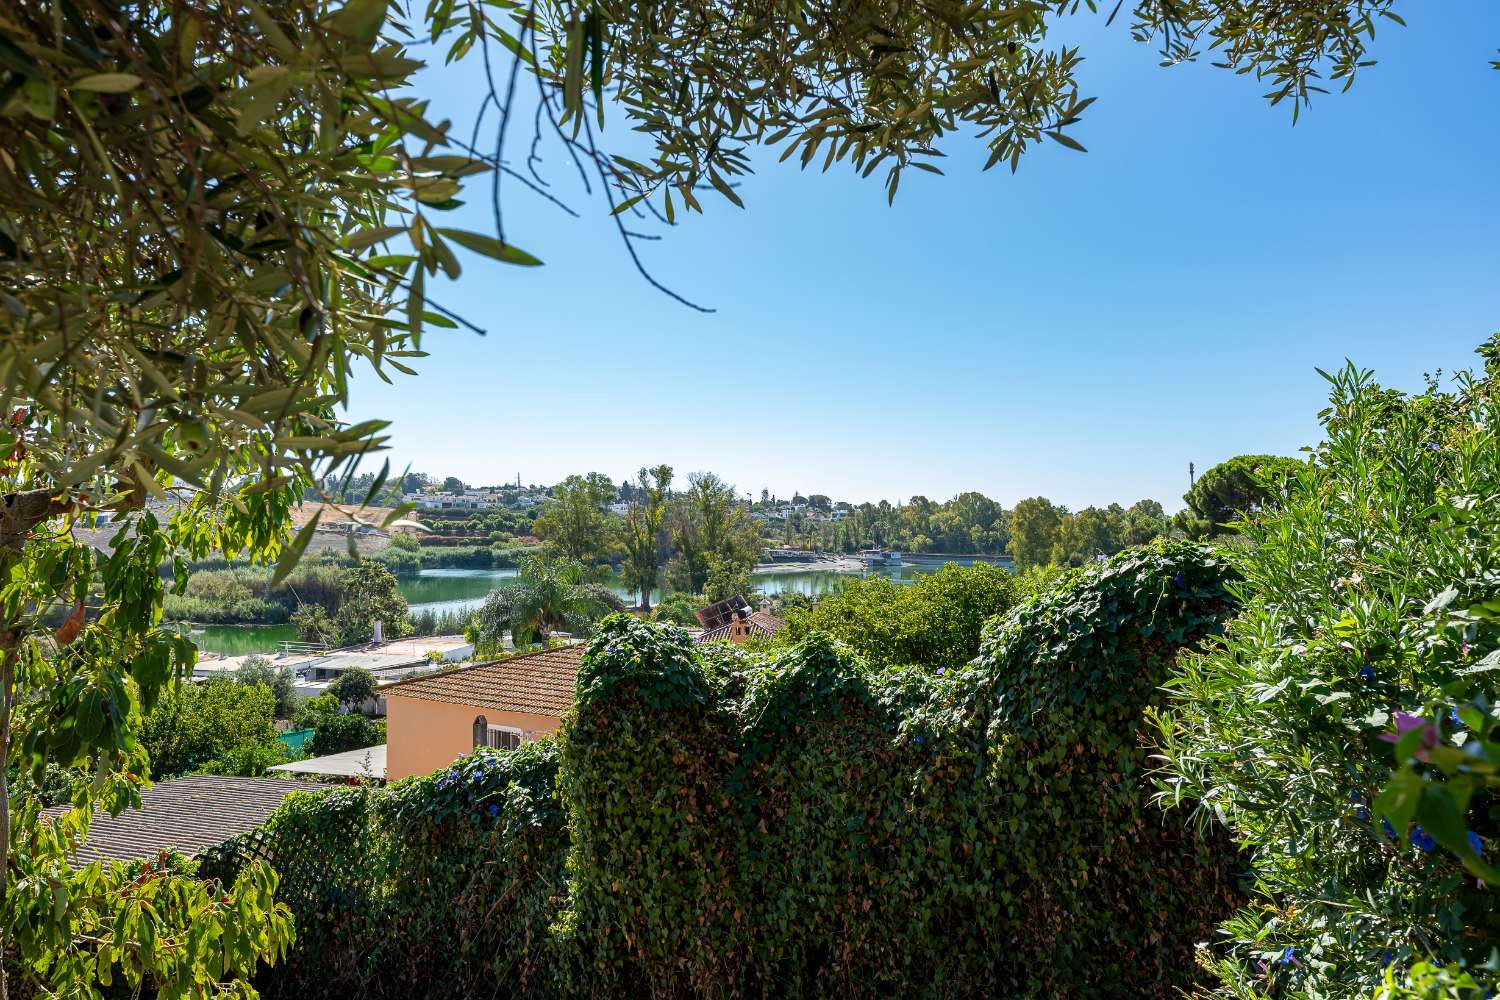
(1405, 723)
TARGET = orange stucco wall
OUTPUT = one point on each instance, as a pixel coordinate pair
(422, 736)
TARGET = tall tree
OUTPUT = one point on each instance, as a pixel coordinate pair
(368, 593)
(708, 526)
(1033, 529)
(643, 531)
(575, 521)
(1237, 487)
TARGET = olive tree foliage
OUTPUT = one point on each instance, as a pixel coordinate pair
(191, 195)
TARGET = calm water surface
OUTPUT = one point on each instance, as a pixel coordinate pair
(454, 590)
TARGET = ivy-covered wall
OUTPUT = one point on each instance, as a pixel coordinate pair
(806, 825)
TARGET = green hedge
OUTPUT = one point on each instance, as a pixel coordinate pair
(442, 886)
(841, 830)
(808, 825)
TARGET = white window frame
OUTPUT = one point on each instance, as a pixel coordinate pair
(492, 734)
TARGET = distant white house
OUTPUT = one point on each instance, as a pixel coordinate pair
(455, 501)
(315, 670)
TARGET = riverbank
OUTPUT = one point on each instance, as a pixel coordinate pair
(827, 564)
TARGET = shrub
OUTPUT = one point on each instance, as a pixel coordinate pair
(441, 886)
(195, 724)
(679, 608)
(401, 561)
(260, 670)
(1373, 590)
(334, 733)
(934, 622)
(429, 622)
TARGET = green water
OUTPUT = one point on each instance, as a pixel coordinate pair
(453, 590)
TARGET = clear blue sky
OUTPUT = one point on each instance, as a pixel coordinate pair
(1081, 330)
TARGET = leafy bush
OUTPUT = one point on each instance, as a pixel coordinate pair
(334, 733)
(441, 886)
(279, 680)
(679, 608)
(401, 561)
(194, 724)
(934, 622)
(1373, 608)
(429, 622)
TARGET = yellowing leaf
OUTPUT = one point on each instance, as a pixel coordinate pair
(108, 83)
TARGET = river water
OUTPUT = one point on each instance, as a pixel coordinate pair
(454, 590)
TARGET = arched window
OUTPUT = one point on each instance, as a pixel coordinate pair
(481, 731)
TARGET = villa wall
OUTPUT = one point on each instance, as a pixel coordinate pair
(423, 736)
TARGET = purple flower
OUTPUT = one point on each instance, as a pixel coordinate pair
(1101, 559)
(1433, 446)
(1476, 844)
(1405, 723)
(1422, 840)
(942, 671)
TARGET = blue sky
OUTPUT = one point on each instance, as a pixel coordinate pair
(1081, 330)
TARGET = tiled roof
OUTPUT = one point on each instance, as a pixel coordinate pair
(185, 814)
(539, 683)
(761, 625)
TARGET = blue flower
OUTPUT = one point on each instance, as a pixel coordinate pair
(1178, 578)
(494, 810)
(1288, 956)
(942, 671)
(1390, 831)
(1386, 958)
(1367, 673)
(1476, 843)
(1434, 446)
(917, 740)
(1453, 715)
(1422, 840)
(1101, 559)
(1362, 812)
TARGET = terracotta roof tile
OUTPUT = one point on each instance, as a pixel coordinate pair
(760, 624)
(539, 683)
